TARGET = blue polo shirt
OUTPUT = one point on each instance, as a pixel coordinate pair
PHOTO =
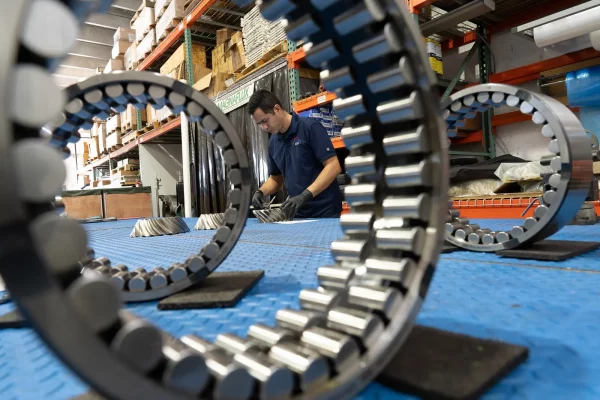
(299, 154)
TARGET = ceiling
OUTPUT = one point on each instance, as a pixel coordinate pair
(95, 39)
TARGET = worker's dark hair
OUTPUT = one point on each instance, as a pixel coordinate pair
(264, 100)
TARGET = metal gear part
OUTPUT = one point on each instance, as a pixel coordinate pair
(372, 56)
(572, 166)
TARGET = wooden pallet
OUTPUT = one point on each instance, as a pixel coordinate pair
(172, 25)
(115, 148)
(167, 119)
(116, 130)
(273, 53)
(129, 137)
(151, 126)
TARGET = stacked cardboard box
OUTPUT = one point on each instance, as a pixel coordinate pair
(122, 39)
(99, 131)
(146, 46)
(130, 60)
(129, 119)
(175, 66)
(168, 14)
(260, 35)
(127, 173)
(143, 21)
(228, 56)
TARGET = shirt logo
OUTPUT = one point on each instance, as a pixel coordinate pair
(296, 141)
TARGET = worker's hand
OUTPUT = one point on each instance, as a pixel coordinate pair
(259, 200)
(293, 204)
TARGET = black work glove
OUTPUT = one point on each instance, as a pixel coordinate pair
(293, 204)
(259, 200)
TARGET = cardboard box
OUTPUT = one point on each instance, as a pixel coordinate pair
(224, 34)
(129, 119)
(145, 46)
(130, 161)
(114, 139)
(124, 34)
(130, 57)
(175, 65)
(113, 124)
(100, 130)
(114, 65)
(119, 48)
(144, 22)
(204, 82)
(150, 114)
(170, 18)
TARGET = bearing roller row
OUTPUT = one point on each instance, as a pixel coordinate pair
(571, 165)
(102, 94)
(346, 330)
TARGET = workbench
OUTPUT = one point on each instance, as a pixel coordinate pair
(551, 307)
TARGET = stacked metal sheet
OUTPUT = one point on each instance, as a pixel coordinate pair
(272, 215)
(260, 35)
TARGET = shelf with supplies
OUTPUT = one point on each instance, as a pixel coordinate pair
(314, 101)
(125, 149)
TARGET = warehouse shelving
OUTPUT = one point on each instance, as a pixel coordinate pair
(174, 36)
(142, 139)
(314, 101)
(503, 205)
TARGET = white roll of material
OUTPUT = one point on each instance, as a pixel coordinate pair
(567, 28)
(595, 39)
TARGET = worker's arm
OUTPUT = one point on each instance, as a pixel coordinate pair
(272, 185)
(330, 172)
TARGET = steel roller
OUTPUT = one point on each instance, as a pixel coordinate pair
(571, 165)
(372, 56)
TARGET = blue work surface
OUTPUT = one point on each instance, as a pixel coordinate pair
(550, 307)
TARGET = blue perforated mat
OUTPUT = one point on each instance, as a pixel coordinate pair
(550, 307)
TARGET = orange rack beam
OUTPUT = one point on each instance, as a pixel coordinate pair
(172, 37)
(492, 207)
(314, 101)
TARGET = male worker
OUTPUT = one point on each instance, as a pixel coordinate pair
(302, 155)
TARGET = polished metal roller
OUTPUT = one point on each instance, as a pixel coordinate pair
(572, 166)
(372, 56)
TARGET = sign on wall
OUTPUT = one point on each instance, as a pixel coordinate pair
(237, 98)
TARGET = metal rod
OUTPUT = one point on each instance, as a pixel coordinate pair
(185, 161)
(469, 11)
(461, 70)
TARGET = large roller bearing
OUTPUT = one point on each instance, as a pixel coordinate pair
(572, 165)
(96, 97)
(345, 331)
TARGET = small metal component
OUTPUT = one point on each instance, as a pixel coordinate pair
(138, 343)
(267, 336)
(229, 381)
(409, 175)
(299, 320)
(185, 368)
(158, 278)
(407, 109)
(362, 325)
(177, 272)
(85, 294)
(310, 366)
(341, 349)
(389, 269)
(319, 300)
(406, 142)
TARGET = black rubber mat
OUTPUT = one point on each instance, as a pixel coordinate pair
(449, 248)
(435, 364)
(12, 320)
(219, 290)
(551, 250)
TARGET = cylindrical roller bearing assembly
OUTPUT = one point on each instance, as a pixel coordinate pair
(571, 165)
(372, 56)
